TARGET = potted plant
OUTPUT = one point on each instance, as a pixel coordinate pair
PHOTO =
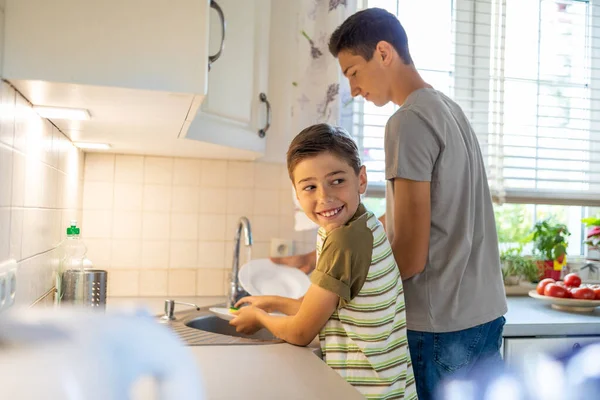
(592, 237)
(550, 245)
(517, 268)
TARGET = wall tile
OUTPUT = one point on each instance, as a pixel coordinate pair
(212, 227)
(123, 283)
(240, 201)
(153, 282)
(158, 170)
(184, 226)
(97, 224)
(99, 167)
(129, 169)
(210, 282)
(214, 173)
(185, 199)
(18, 180)
(126, 253)
(127, 225)
(183, 254)
(267, 176)
(155, 254)
(266, 202)
(98, 251)
(16, 233)
(211, 254)
(240, 174)
(6, 175)
(5, 214)
(128, 196)
(7, 117)
(98, 196)
(157, 198)
(187, 172)
(213, 201)
(182, 282)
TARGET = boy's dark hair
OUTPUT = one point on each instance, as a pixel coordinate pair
(361, 32)
(321, 138)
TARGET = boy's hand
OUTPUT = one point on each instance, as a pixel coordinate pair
(266, 303)
(246, 320)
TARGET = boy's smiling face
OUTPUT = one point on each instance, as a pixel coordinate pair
(328, 189)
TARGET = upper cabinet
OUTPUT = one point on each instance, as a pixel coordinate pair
(237, 110)
(152, 73)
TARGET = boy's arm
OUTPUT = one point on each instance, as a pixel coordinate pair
(412, 224)
(272, 303)
(315, 309)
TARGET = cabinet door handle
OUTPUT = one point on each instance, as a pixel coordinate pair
(262, 132)
(215, 57)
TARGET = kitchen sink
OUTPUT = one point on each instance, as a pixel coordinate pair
(203, 328)
(214, 324)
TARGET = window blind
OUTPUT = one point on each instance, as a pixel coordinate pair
(526, 73)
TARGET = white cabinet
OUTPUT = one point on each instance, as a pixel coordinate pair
(516, 349)
(138, 44)
(233, 113)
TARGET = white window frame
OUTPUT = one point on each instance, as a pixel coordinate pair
(471, 81)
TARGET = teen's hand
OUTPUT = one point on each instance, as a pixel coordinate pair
(246, 320)
(304, 262)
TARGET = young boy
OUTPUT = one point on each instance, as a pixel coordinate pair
(355, 303)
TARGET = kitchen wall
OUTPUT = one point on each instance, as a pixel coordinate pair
(165, 226)
(41, 185)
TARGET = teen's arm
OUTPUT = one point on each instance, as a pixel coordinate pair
(412, 150)
(300, 329)
(382, 220)
(412, 223)
(304, 262)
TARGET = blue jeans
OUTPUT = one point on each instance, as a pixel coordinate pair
(437, 356)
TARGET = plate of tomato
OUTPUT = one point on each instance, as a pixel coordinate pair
(569, 294)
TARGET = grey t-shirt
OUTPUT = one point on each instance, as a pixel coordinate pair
(429, 139)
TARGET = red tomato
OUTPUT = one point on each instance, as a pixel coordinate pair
(542, 285)
(569, 293)
(597, 292)
(572, 280)
(554, 290)
(583, 293)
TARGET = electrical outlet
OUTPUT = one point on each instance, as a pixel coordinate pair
(8, 284)
(281, 247)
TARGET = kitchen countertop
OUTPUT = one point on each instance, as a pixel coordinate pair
(279, 371)
(284, 371)
(528, 317)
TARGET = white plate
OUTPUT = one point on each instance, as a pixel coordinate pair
(222, 313)
(567, 304)
(265, 278)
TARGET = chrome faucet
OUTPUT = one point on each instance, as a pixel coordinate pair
(235, 291)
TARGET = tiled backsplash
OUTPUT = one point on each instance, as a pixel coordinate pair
(41, 184)
(165, 226)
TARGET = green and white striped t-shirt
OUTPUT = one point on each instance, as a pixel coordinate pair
(365, 339)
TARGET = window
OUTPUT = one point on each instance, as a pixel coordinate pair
(527, 74)
(432, 52)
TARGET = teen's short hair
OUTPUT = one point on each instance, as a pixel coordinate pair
(361, 32)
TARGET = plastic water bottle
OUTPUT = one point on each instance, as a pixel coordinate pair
(72, 256)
